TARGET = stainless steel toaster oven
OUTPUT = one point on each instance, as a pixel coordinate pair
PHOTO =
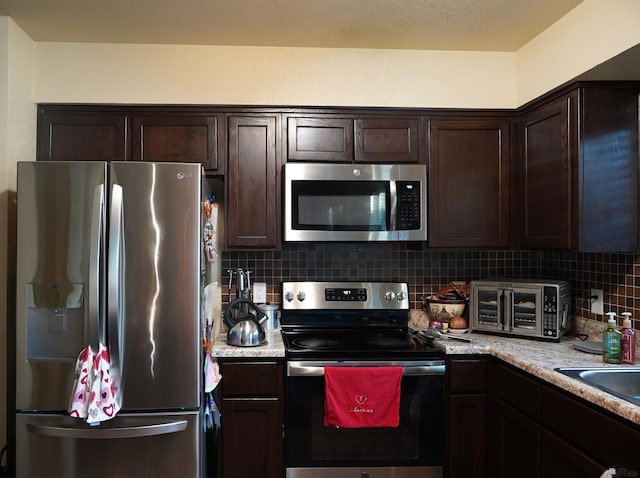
(526, 308)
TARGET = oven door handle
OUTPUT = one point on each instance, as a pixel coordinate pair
(316, 369)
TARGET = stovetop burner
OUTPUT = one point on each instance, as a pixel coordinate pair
(317, 343)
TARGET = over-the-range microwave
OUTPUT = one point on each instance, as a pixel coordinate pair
(355, 202)
(518, 307)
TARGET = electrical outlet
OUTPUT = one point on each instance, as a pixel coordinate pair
(260, 292)
(597, 301)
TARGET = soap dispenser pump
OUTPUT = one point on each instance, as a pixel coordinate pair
(627, 341)
(611, 341)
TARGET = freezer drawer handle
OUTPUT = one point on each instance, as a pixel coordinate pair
(110, 433)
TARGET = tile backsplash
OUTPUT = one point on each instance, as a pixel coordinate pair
(426, 270)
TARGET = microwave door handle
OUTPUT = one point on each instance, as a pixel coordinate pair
(393, 205)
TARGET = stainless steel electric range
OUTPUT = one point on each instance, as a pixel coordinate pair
(358, 324)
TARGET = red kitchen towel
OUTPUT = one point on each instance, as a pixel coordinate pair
(360, 397)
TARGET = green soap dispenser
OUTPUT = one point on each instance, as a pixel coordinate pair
(611, 341)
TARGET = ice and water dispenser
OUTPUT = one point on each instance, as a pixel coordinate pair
(55, 321)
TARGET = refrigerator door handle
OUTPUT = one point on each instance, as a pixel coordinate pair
(102, 433)
(115, 284)
(95, 326)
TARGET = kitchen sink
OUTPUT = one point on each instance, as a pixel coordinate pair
(623, 382)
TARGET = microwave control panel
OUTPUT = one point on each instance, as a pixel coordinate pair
(408, 216)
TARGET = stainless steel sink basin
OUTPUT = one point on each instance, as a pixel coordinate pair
(623, 382)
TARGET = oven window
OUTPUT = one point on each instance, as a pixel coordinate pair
(417, 441)
(525, 306)
(340, 205)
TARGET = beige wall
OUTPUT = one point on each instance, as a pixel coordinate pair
(114, 73)
(4, 200)
(590, 34)
(17, 142)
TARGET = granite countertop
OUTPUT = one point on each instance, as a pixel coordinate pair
(273, 348)
(539, 358)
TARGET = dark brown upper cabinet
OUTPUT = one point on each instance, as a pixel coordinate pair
(387, 140)
(320, 139)
(252, 182)
(72, 135)
(469, 183)
(578, 172)
(177, 138)
(347, 139)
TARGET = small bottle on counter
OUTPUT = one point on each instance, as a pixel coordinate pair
(627, 341)
(611, 341)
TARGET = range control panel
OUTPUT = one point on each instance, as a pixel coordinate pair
(320, 295)
(341, 294)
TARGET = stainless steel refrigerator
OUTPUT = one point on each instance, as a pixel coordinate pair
(113, 253)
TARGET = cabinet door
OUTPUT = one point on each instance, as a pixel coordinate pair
(561, 460)
(606, 439)
(608, 202)
(81, 136)
(251, 182)
(467, 382)
(387, 140)
(516, 445)
(467, 436)
(176, 138)
(548, 146)
(320, 139)
(469, 183)
(251, 439)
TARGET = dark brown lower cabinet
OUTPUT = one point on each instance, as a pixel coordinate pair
(252, 420)
(538, 430)
(467, 417)
(516, 444)
(606, 439)
(249, 445)
(561, 460)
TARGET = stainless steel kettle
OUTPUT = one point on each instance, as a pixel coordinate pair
(245, 320)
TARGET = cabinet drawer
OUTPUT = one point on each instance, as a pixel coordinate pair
(518, 390)
(605, 439)
(250, 379)
(468, 376)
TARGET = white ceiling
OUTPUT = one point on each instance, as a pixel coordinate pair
(489, 25)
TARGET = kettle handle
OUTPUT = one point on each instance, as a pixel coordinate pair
(230, 321)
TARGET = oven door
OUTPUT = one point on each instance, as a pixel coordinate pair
(413, 449)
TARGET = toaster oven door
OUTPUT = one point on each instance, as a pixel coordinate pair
(515, 310)
(524, 305)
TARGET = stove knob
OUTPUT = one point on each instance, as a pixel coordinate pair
(402, 295)
(301, 296)
(288, 296)
(390, 295)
